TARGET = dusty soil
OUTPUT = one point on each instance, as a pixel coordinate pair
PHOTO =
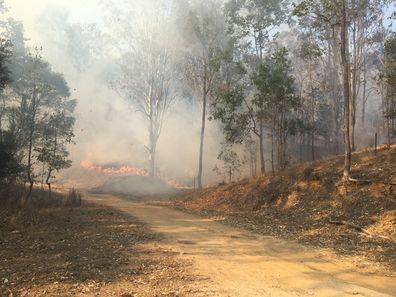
(297, 204)
(240, 263)
(89, 251)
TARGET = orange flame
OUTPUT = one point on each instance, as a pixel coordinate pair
(129, 170)
(123, 170)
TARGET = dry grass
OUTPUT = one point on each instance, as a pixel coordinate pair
(11, 197)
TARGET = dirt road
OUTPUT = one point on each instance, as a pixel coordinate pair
(240, 263)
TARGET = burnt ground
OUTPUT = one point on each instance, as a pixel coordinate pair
(87, 251)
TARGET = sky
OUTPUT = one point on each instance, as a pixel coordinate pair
(85, 11)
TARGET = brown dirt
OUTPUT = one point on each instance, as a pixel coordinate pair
(298, 204)
(87, 251)
(240, 263)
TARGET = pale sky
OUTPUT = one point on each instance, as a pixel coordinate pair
(81, 11)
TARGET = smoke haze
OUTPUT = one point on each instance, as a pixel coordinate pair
(108, 130)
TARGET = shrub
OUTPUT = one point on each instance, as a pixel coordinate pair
(73, 198)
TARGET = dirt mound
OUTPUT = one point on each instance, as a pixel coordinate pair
(300, 202)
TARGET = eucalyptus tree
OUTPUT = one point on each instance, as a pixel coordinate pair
(147, 74)
(56, 134)
(9, 165)
(205, 37)
(319, 21)
(37, 92)
(5, 77)
(274, 102)
(275, 98)
(388, 76)
(347, 30)
(253, 23)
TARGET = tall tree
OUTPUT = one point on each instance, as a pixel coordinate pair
(252, 23)
(37, 90)
(205, 36)
(273, 103)
(275, 98)
(147, 74)
(346, 84)
(57, 133)
(388, 77)
(5, 77)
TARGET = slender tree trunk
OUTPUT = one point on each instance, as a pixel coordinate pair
(203, 124)
(346, 79)
(272, 151)
(32, 128)
(251, 165)
(47, 181)
(261, 140)
(355, 78)
(151, 148)
(387, 117)
(364, 96)
(312, 113)
(152, 153)
(313, 145)
(300, 148)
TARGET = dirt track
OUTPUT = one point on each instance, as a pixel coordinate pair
(240, 263)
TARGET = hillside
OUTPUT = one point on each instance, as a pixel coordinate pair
(300, 203)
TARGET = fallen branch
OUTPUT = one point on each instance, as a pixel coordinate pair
(370, 181)
(359, 228)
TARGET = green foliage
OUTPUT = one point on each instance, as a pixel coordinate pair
(37, 114)
(57, 133)
(389, 77)
(228, 108)
(5, 55)
(255, 18)
(275, 86)
(10, 167)
(232, 163)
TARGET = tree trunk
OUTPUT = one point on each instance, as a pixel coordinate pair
(32, 128)
(387, 118)
(261, 140)
(355, 78)
(203, 124)
(47, 181)
(152, 153)
(364, 96)
(272, 151)
(346, 79)
(313, 145)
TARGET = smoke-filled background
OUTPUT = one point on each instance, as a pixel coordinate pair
(108, 130)
(109, 51)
